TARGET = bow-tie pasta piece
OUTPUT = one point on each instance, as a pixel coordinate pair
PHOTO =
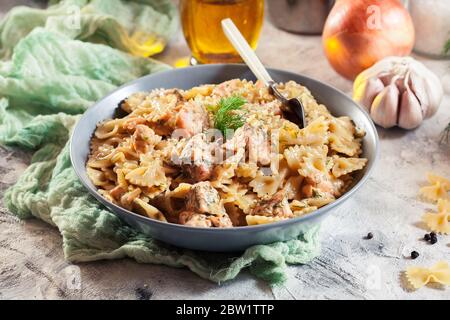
(237, 194)
(343, 166)
(148, 176)
(316, 133)
(438, 188)
(440, 221)
(266, 186)
(419, 277)
(344, 137)
(434, 178)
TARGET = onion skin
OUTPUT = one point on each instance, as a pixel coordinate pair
(353, 43)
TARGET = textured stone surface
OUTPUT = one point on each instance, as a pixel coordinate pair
(32, 263)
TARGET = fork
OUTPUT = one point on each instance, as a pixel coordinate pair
(291, 108)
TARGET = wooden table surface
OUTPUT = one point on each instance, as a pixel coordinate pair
(32, 263)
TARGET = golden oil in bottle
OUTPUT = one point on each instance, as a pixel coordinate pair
(201, 22)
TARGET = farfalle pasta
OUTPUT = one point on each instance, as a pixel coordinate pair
(343, 166)
(439, 221)
(344, 136)
(419, 277)
(165, 159)
(438, 188)
(437, 191)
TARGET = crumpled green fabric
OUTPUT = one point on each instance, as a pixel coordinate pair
(141, 27)
(52, 78)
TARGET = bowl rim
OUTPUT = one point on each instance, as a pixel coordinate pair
(315, 214)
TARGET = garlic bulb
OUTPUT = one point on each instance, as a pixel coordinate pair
(398, 91)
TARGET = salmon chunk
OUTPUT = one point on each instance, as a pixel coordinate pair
(276, 206)
(203, 198)
(204, 209)
(256, 142)
(192, 119)
(196, 158)
(193, 219)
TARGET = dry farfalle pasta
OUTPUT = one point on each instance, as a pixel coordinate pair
(437, 191)
(438, 188)
(419, 277)
(439, 221)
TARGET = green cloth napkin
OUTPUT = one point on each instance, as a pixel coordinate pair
(48, 76)
(126, 25)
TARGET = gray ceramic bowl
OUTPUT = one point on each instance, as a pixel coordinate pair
(214, 239)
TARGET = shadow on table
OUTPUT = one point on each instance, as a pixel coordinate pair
(392, 133)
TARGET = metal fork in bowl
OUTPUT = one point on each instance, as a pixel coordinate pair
(292, 108)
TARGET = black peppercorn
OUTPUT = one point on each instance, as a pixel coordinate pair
(369, 235)
(433, 238)
(427, 237)
(414, 254)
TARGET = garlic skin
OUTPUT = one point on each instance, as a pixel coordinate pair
(398, 91)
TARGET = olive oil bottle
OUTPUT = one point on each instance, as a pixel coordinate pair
(201, 22)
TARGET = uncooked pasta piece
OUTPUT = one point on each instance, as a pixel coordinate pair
(438, 188)
(434, 192)
(419, 277)
(433, 178)
(439, 221)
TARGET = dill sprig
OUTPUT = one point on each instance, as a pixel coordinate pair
(447, 47)
(224, 116)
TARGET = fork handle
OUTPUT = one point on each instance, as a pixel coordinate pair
(245, 51)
